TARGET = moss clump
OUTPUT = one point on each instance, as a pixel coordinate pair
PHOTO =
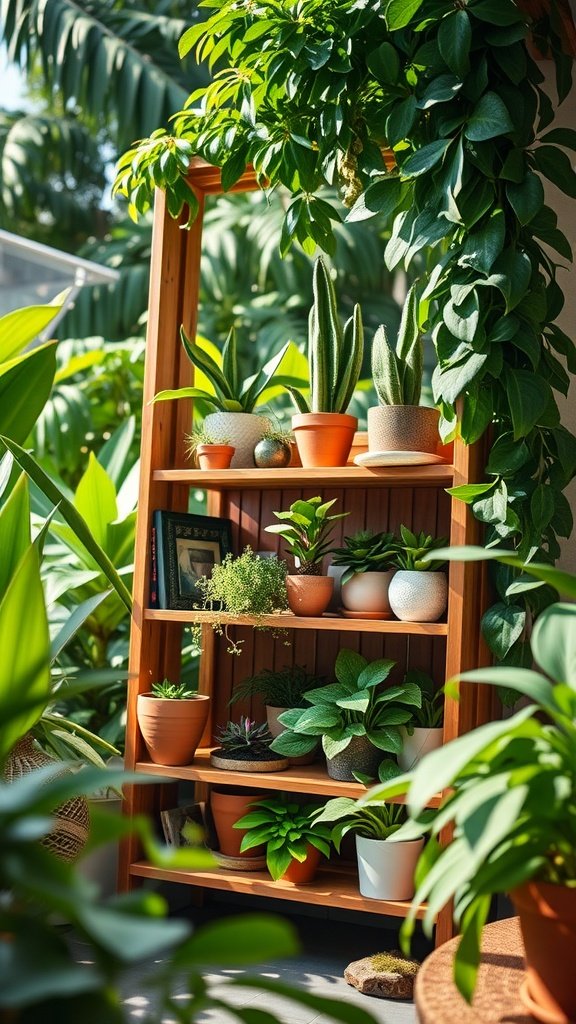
(394, 963)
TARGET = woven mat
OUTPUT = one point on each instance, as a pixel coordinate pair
(496, 1000)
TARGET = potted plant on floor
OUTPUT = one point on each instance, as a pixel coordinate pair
(424, 732)
(245, 746)
(281, 690)
(208, 452)
(294, 841)
(370, 562)
(356, 719)
(172, 718)
(419, 590)
(399, 422)
(233, 397)
(386, 865)
(306, 530)
(323, 429)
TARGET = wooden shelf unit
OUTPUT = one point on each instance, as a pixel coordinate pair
(380, 499)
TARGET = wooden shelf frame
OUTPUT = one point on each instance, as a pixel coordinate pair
(286, 620)
(165, 482)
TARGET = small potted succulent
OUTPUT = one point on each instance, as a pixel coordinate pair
(399, 422)
(172, 718)
(386, 866)
(306, 530)
(244, 746)
(209, 453)
(418, 592)
(274, 450)
(294, 841)
(369, 561)
(280, 689)
(424, 732)
(355, 718)
(323, 429)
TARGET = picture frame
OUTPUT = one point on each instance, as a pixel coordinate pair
(185, 547)
(174, 819)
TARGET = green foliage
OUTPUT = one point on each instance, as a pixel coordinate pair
(355, 705)
(334, 354)
(307, 528)
(430, 713)
(244, 737)
(172, 691)
(415, 549)
(373, 822)
(279, 688)
(397, 373)
(287, 828)
(26, 377)
(366, 551)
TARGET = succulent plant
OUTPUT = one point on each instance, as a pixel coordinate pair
(366, 551)
(413, 548)
(172, 691)
(397, 373)
(306, 529)
(245, 735)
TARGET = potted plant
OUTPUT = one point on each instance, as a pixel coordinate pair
(306, 529)
(244, 746)
(323, 429)
(280, 689)
(419, 590)
(424, 732)
(206, 451)
(245, 585)
(369, 560)
(233, 397)
(274, 450)
(294, 841)
(227, 805)
(172, 718)
(399, 422)
(356, 719)
(386, 864)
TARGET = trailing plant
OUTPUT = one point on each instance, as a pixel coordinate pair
(355, 705)
(287, 828)
(366, 551)
(244, 737)
(430, 714)
(455, 97)
(397, 372)
(172, 691)
(334, 354)
(279, 688)
(306, 530)
(379, 821)
(415, 549)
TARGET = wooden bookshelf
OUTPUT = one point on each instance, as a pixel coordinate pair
(286, 620)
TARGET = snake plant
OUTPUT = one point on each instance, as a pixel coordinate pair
(397, 373)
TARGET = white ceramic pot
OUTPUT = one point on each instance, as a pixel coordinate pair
(243, 430)
(386, 869)
(418, 596)
(367, 592)
(416, 746)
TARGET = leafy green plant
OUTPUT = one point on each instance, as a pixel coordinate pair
(366, 551)
(334, 354)
(353, 706)
(280, 688)
(306, 530)
(415, 549)
(373, 822)
(245, 737)
(287, 828)
(397, 373)
(172, 691)
(26, 374)
(430, 714)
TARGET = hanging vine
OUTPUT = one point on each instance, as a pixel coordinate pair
(311, 93)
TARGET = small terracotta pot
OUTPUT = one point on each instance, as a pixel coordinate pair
(403, 428)
(548, 922)
(324, 438)
(215, 456)
(360, 755)
(227, 808)
(309, 595)
(367, 592)
(172, 729)
(301, 872)
(242, 429)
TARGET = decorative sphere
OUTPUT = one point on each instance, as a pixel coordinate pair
(271, 453)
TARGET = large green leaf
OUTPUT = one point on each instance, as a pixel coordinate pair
(563, 582)
(489, 119)
(95, 500)
(554, 643)
(25, 384)
(528, 399)
(424, 159)
(454, 39)
(21, 327)
(14, 531)
(399, 13)
(247, 938)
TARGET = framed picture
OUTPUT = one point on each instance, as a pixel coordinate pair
(185, 547)
(174, 819)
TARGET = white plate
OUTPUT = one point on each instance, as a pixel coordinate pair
(371, 460)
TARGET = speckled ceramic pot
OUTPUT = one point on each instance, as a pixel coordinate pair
(403, 428)
(243, 430)
(359, 756)
(418, 596)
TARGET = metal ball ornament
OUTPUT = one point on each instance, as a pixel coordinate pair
(271, 453)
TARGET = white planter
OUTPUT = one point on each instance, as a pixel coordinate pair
(243, 430)
(386, 869)
(367, 592)
(416, 746)
(418, 596)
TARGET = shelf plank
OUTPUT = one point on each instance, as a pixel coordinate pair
(441, 475)
(333, 887)
(286, 620)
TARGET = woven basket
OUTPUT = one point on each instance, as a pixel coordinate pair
(72, 819)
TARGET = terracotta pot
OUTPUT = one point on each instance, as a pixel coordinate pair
(309, 595)
(403, 428)
(418, 596)
(367, 592)
(227, 807)
(416, 746)
(276, 727)
(324, 438)
(301, 872)
(172, 729)
(360, 756)
(243, 430)
(214, 456)
(548, 922)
